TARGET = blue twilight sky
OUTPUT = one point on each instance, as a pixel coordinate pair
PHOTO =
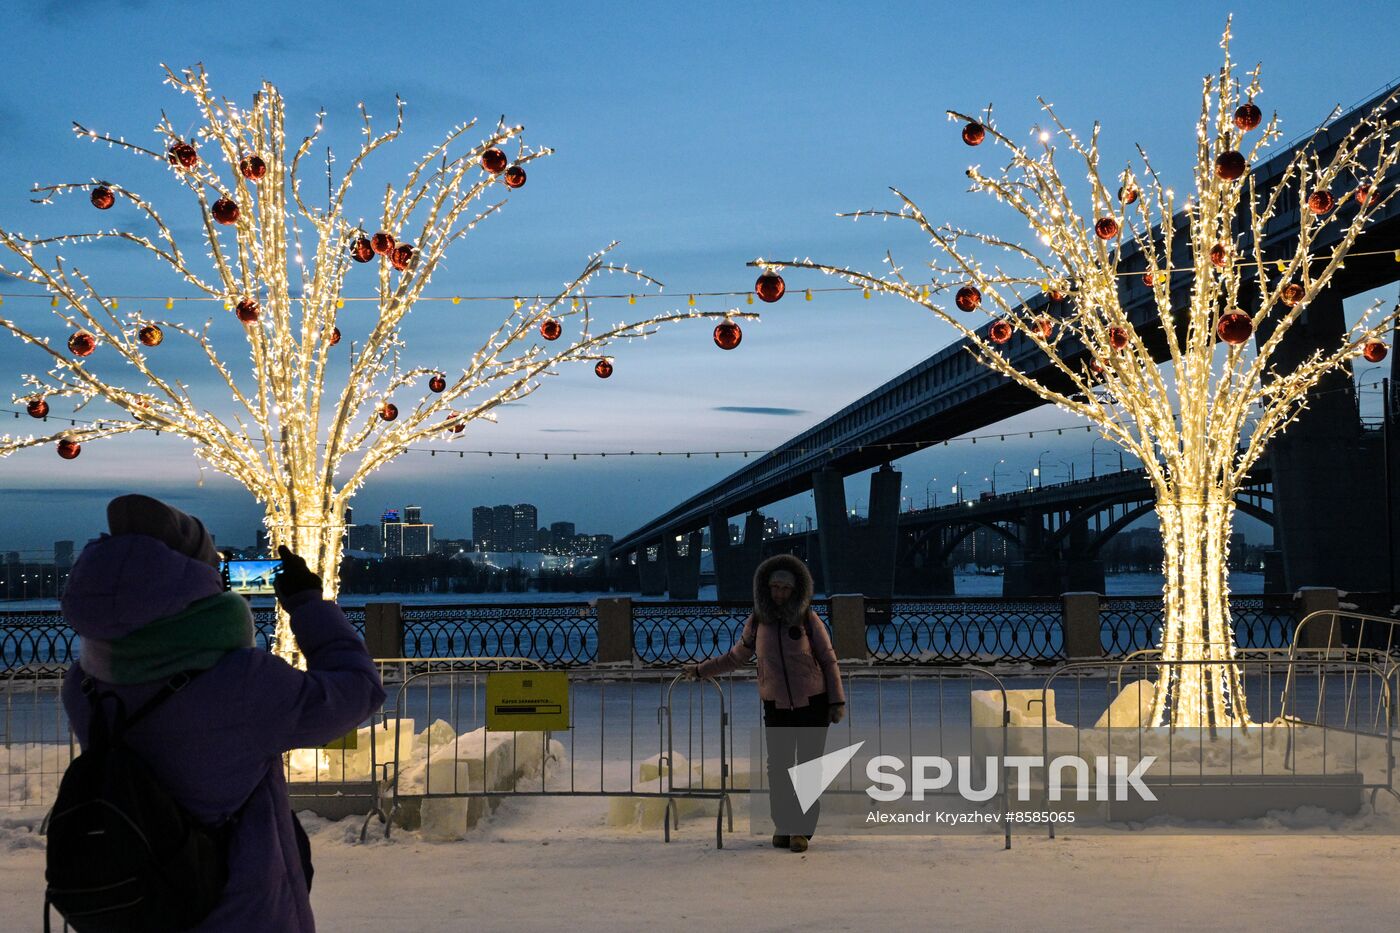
(698, 135)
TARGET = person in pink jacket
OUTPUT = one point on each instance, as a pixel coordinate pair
(799, 683)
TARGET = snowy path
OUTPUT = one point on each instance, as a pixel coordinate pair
(540, 865)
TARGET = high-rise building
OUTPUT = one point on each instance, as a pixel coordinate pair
(562, 536)
(260, 541)
(503, 524)
(526, 520)
(349, 516)
(367, 538)
(483, 531)
(544, 540)
(391, 529)
(417, 539)
(771, 528)
(413, 515)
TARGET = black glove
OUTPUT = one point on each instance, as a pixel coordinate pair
(294, 577)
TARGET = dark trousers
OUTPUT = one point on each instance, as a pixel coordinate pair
(793, 736)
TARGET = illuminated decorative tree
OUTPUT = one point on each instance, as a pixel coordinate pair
(1200, 422)
(300, 440)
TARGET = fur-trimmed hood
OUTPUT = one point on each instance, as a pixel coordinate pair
(795, 609)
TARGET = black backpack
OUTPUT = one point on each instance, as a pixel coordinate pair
(123, 854)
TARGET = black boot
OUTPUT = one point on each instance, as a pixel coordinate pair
(798, 844)
(781, 842)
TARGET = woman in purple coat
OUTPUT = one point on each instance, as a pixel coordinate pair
(799, 683)
(148, 602)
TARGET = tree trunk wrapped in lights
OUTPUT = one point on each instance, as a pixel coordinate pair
(1202, 420)
(296, 437)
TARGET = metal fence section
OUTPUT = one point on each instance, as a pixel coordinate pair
(557, 635)
(35, 638)
(968, 631)
(674, 633)
(35, 743)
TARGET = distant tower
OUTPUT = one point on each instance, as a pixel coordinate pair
(526, 521)
(483, 533)
(413, 515)
(503, 524)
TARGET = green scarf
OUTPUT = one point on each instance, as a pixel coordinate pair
(194, 639)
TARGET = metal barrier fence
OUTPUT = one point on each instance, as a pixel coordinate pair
(969, 631)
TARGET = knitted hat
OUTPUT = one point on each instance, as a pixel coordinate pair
(141, 515)
(782, 576)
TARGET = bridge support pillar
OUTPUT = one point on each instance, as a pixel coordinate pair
(929, 580)
(857, 558)
(651, 572)
(682, 570)
(735, 563)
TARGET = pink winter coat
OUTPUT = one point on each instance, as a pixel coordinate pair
(791, 670)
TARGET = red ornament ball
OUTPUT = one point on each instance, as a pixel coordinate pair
(82, 343)
(37, 407)
(1096, 367)
(225, 211)
(401, 257)
(69, 450)
(252, 167)
(1219, 255)
(1364, 194)
(150, 335)
(1230, 165)
(728, 335)
(458, 426)
(968, 298)
(248, 310)
(1374, 351)
(1234, 328)
(1000, 332)
(1292, 294)
(1127, 195)
(1045, 326)
(515, 177)
(769, 287)
(1057, 296)
(183, 155)
(603, 369)
(1148, 280)
(1117, 337)
(388, 411)
(1320, 202)
(1248, 116)
(335, 336)
(438, 382)
(1106, 228)
(362, 250)
(381, 242)
(102, 197)
(494, 161)
(974, 133)
(550, 328)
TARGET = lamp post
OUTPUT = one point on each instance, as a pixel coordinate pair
(928, 496)
(1040, 468)
(994, 475)
(958, 486)
(1093, 458)
(1069, 468)
(1027, 474)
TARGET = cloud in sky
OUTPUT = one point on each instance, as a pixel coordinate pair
(759, 410)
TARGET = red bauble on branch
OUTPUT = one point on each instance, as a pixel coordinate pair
(225, 211)
(1117, 337)
(1106, 228)
(1248, 116)
(37, 407)
(184, 155)
(603, 369)
(968, 298)
(381, 242)
(1148, 280)
(974, 133)
(248, 310)
(150, 335)
(1234, 328)
(1219, 255)
(1320, 202)
(335, 336)
(1045, 326)
(362, 250)
(438, 382)
(388, 411)
(494, 161)
(82, 343)
(1364, 194)
(1230, 165)
(1374, 351)
(252, 167)
(728, 335)
(515, 177)
(1000, 332)
(550, 328)
(1127, 194)
(69, 449)
(102, 197)
(770, 286)
(1291, 294)
(401, 257)
(457, 426)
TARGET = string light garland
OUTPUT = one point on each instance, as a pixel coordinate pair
(281, 267)
(1199, 440)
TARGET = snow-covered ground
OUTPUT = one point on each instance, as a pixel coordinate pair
(554, 864)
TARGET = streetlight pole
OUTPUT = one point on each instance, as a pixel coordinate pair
(1040, 468)
(927, 496)
(1027, 474)
(1069, 468)
(994, 475)
(957, 488)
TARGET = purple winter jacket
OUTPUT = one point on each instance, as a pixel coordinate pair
(218, 742)
(791, 670)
